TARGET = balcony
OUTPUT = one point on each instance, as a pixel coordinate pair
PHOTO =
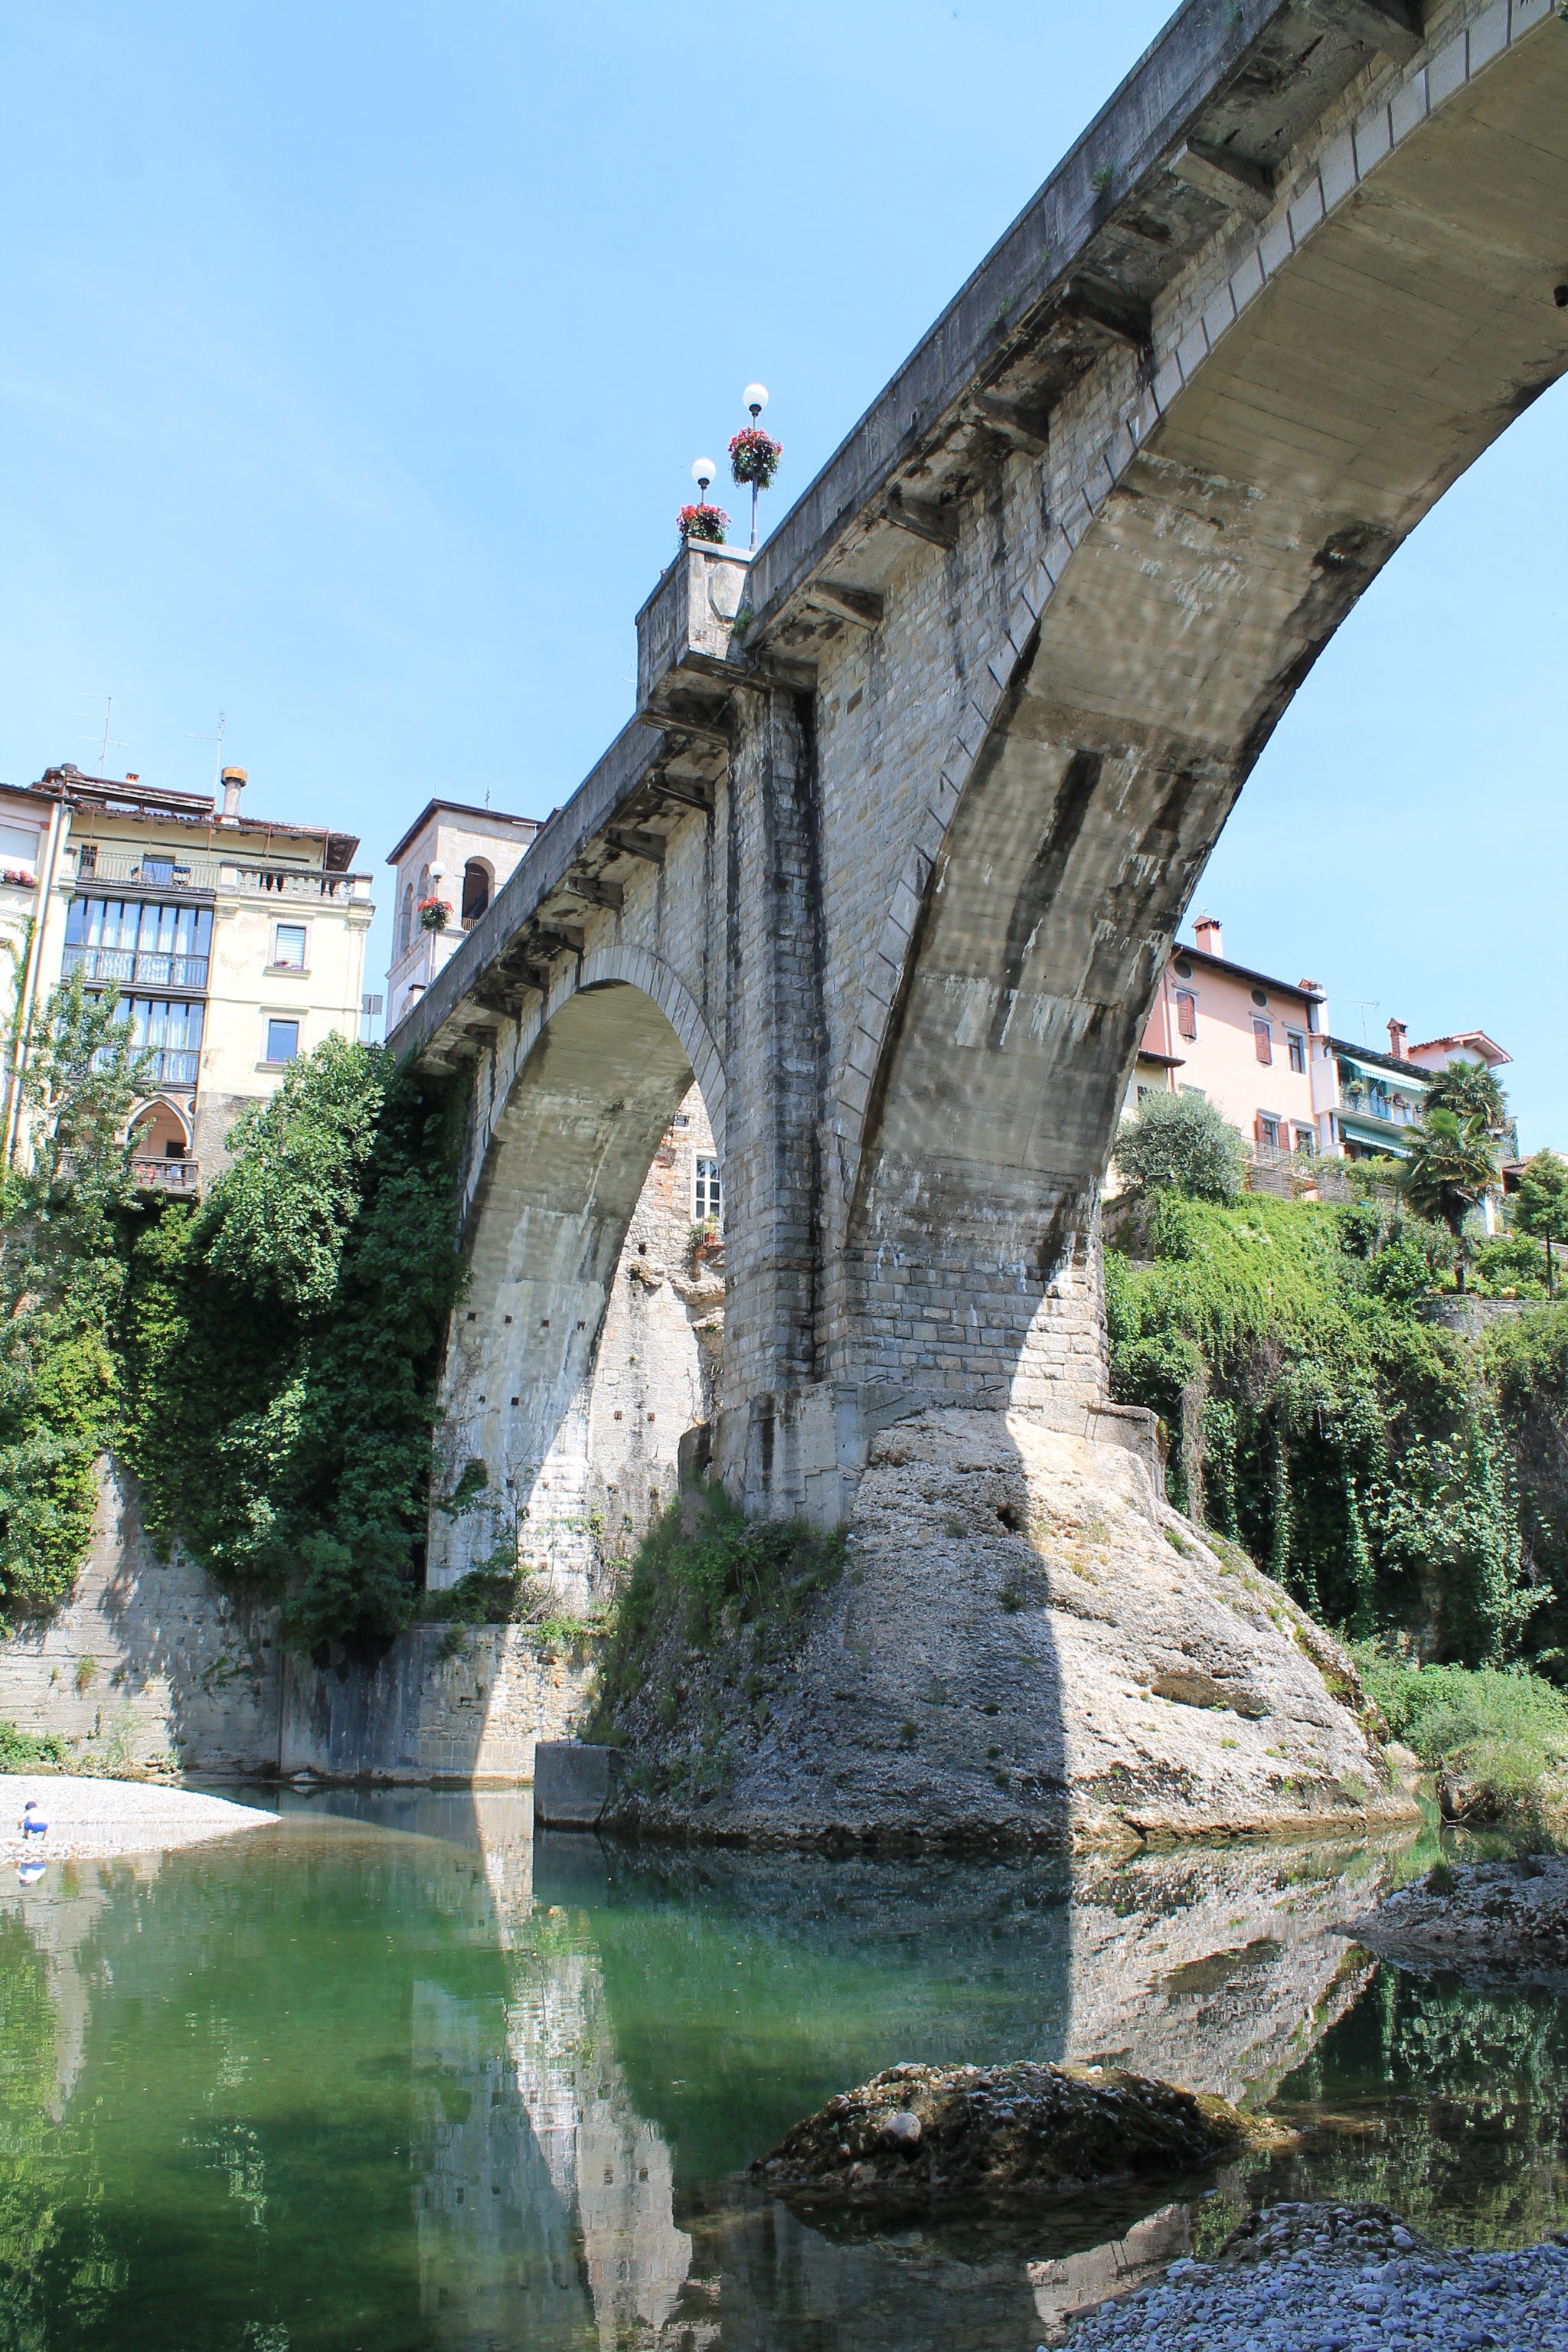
(126, 965)
(180, 1177)
(165, 1066)
(101, 864)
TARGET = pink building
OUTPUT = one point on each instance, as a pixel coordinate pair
(1257, 1047)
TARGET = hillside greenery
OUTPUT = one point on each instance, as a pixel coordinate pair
(1399, 1479)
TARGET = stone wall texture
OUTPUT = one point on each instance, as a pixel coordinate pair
(151, 1662)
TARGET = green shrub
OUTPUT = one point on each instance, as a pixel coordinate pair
(1504, 1731)
(1182, 1143)
(19, 1750)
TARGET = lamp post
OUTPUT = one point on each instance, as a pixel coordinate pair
(756, 399)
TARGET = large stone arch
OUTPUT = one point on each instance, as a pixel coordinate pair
(1350, 362)
(597, 1080)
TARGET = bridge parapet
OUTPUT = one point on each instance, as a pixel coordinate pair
(688, 621)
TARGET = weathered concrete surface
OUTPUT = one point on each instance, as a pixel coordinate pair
(417, 1714)
(1029, 1648)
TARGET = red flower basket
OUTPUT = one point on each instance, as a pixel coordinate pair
(703, 522)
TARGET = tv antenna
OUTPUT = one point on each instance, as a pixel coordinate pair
(1365, 1004)
(218, 738)
(104, 739)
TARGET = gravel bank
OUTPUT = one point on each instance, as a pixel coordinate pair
(1339, 2278)
(90, 1818)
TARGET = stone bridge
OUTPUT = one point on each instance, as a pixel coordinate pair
(917, 792)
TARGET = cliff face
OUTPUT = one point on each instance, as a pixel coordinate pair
(1027, 1647)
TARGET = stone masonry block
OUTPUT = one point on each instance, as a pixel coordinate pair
(1488, 35)
(1373, 140)
(1192, 351)
(1274, 250)
(1409, 106)
(1307, 211)
(1527, 15)
(1448, 70)
(1337, 172)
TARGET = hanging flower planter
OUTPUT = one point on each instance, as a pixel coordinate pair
(434, 914)
(703, 522)
(753, 458)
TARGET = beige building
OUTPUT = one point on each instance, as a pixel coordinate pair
(462, 856)
(35, 885)
(237, 944)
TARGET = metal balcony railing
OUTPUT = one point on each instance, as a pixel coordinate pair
(166, 1065)
(137, 967)
(98, 862)
(167, 1175)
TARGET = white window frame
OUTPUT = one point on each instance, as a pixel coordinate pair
(304, 931)
(707, 1189)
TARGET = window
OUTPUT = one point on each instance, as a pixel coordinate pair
(1297, 1050)
(282, 1041)
(476, 890)
(1268, 1131)
(18, 849)
(708, 1192)
(1144, 1093)
(1306, 1141)
(1184, 969)
(1263, 1041)
(1186, 1012)
(1258, 997)
(289, 947)
(405, 921)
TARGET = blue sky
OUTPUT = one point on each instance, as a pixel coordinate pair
(355, 361)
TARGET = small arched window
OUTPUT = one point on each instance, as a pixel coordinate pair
(476, 890)
(405, 921)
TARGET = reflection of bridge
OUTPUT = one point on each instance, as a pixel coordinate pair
(920, 790)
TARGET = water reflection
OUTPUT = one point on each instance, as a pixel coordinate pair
(398, 2075)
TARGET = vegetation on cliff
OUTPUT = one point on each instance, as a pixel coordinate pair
(280, 1347)
(1398, 1477)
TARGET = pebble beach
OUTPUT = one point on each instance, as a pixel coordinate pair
(90, 1818)
(1339, 2278)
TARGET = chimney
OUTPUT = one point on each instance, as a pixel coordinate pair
(1396, 1042)
(1209, 936)
(233, 785)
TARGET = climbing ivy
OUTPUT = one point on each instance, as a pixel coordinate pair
(280, 1348)
(1366, 1457)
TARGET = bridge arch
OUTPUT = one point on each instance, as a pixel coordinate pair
(1338, 369)
(595, 1086)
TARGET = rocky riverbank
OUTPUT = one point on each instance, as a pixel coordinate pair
(1027, 1648)
(1505, 1916)
(1341, 2278)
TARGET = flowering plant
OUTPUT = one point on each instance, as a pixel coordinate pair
(703, 522)
(434, 914)
(753, 458)
(15, 874)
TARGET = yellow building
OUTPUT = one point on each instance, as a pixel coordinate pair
(237, 944)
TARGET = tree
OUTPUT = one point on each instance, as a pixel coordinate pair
(1451, 1167)
(1183, 1143)
(1470, 1091)
(61, 1279)
(1540, 1205)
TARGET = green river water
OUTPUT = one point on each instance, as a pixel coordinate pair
(396, 2075)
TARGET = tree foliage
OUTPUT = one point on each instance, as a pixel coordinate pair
(1369, 1459)
(1541, 1204)
(1182, 1143)
(60, 1280)
(281, 1347)
(1451, 1167)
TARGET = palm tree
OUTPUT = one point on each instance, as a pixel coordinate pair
(1451, 1169)
(1470, 1091)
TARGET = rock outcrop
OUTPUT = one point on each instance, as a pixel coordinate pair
(1508, 1916)
(1027, 1648)
(967, 2132)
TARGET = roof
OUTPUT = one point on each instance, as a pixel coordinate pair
(1486, 1047)
(1244, 972)
(458, 808)
(1163, 1061)
(129, 796)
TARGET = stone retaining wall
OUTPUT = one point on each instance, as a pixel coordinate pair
(150, 1660)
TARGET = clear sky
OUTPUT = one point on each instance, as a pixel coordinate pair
(355, 359)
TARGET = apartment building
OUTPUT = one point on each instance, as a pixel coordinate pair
(461, 857)
(1257, 1047)
(35, 896)
(236, 943)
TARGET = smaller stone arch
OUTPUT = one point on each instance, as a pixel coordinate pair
(635, 968)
